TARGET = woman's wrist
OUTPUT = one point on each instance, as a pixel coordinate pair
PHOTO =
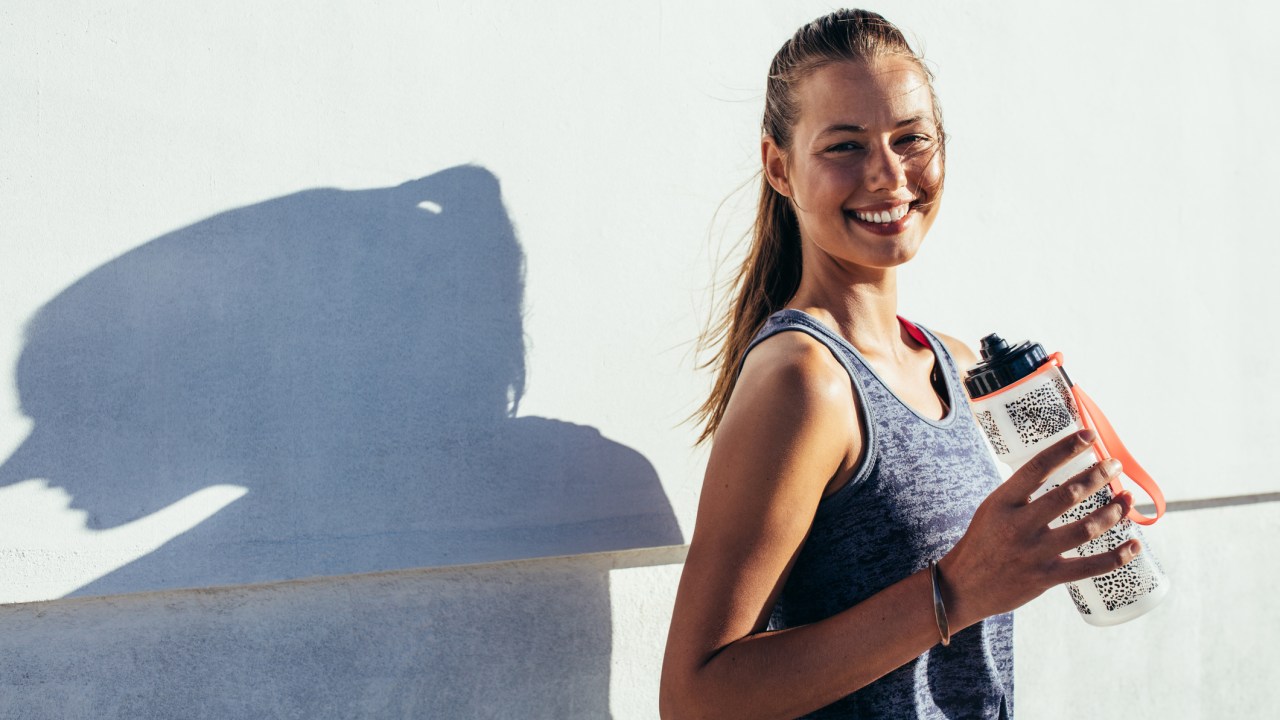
(957, 601)
(939, 607)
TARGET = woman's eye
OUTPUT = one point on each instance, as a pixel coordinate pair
(913, 139)
(844, 147)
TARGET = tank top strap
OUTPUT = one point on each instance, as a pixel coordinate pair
(875, 398)
(871, 387)
(785, 320)
(871, 396)
(955, 385)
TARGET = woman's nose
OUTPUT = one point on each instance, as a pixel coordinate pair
(885, 170)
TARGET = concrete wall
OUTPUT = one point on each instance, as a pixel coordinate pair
(324, 323)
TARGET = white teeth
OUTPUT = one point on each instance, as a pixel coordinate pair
(883, 216)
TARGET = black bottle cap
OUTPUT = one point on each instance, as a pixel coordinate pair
(1002, 365)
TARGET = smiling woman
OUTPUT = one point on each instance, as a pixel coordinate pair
(864, 170)
(854, 547)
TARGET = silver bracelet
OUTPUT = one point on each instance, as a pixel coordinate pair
(939, 610)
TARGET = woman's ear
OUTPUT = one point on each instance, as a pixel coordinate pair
(774, 160)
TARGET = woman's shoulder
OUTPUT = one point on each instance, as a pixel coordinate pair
(796, 369)
(793, 399)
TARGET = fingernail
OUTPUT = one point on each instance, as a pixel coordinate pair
(1112, 467)
(1126, 501)
(1087, 435)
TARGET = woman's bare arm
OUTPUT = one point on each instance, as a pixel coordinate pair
(789, 433)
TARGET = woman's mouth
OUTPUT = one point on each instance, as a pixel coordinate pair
(883, 216)
(887, 221)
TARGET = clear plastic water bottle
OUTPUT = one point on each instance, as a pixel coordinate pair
(1024, 401)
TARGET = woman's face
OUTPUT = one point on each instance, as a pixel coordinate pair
(865, 165)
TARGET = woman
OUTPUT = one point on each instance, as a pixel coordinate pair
(845, 461)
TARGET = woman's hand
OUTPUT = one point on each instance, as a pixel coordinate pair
(1009, 554)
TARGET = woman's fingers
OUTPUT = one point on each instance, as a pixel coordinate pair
(1090, 526)
(1009, 543)
(1072, 569)
(1073, 491)
(1031, 475)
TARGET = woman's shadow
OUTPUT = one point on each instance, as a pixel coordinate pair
(355, 360)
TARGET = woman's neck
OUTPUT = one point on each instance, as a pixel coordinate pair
(862, 305)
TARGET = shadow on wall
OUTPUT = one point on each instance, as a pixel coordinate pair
(353, 359)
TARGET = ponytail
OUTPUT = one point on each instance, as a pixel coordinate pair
(765, 282)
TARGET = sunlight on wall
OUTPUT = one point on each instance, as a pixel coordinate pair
(74, 554)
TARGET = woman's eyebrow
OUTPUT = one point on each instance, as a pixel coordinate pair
(842, 127)
(910, 121)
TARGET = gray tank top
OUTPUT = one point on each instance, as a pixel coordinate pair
(910, 499)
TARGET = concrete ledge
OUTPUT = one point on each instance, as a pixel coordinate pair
(608, 560)
(527, 638)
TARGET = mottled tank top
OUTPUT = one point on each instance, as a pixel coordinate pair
(910, 499)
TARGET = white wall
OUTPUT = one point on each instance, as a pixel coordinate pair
(223, 316)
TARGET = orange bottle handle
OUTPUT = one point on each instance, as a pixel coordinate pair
(1108, 445)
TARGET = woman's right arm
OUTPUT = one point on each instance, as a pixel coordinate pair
(790, 430)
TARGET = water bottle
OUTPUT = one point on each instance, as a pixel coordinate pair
(1024, 401)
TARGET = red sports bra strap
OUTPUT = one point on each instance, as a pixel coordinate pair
(913, 331)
